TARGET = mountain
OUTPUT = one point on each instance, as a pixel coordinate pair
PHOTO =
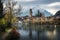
(45, 12)
(57, 13)
(35, 11)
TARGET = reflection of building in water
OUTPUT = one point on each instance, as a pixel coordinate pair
(51, 34)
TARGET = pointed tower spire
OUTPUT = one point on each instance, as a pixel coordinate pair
(30, 12)
(38, 13)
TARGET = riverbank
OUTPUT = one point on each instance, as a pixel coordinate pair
(9, 34)
(4, 34)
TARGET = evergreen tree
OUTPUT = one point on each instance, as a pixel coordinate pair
(1, 9)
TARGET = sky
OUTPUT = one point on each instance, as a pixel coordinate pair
(50, 5)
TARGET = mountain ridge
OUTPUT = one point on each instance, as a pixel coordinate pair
(35, 11)
(57, 13)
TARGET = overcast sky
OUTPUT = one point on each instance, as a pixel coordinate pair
(50, 5)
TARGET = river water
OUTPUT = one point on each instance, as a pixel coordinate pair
(39, 32)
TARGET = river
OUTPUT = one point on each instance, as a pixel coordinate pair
(39, 32)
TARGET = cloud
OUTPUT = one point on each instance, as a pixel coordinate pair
(54, 4)
(50, 5)
(24, 0)
(16, 6)
(48, 1)
(53, 11)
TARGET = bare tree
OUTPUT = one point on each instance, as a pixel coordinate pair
(10, 11)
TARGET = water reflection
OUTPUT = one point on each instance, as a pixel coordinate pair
(51, 34)
(40, 32)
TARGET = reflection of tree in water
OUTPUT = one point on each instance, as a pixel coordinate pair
(50, 27)
(45, 30)
(13, 35)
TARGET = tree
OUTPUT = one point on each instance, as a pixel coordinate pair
(2, 22)
(7, 16)
(1, 9)
(10, 12)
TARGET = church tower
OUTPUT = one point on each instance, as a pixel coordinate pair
(30, 12)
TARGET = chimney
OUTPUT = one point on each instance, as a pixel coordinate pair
(30, 12)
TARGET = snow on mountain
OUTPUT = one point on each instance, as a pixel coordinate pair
(35, 11)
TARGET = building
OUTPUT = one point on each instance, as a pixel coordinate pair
(34, 19)
(30, 12)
